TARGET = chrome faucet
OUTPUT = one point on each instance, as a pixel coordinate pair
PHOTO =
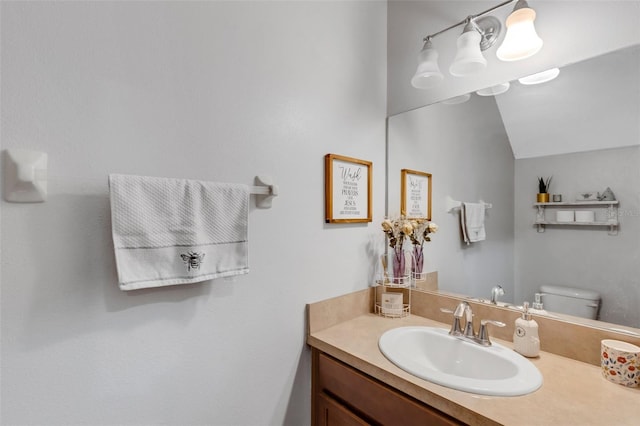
(464, 310)
(495, 293)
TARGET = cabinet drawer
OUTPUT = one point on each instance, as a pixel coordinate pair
(372, 399)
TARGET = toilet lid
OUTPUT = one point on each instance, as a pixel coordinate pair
(578, 293)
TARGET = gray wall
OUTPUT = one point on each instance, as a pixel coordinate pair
(466, 149)
(584, 257)
(219, 91)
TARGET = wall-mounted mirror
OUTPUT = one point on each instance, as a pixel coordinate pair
(583, 128)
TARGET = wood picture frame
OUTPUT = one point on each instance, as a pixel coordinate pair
(415, 194)
(348, 188)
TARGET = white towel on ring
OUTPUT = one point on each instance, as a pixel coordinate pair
(177, 231)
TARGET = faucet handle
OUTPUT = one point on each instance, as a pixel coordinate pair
(456, 328)
(483, 334)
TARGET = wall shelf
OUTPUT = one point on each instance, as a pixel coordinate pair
(611, 214)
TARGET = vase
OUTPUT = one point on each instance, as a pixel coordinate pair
(417, 261)
(398, 265)
(543, 197)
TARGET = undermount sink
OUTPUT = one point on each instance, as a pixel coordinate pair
(432, 354)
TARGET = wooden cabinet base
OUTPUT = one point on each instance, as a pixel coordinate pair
(343, 396)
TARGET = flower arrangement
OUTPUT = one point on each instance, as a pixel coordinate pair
(397, 230)
(417, 231)
(421, 230)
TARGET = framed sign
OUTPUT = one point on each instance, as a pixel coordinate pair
(415, 194)
(347, 189)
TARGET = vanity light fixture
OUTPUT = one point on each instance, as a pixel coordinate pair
(541, 77)
(521, 41)
(457, 99)
(479, 34)
(494, 90)
(428, 73)
(469, 59)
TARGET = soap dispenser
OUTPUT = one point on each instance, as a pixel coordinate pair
(525, 337)
(537, 307)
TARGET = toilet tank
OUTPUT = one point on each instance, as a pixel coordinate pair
(571, 301)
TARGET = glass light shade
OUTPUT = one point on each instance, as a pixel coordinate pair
(457, 99)
(521, 40)
(541, 77)
(428, 73)
(494, 90)
(469, 57)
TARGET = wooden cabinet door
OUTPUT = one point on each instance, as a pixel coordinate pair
(331, 413)
(357, 392)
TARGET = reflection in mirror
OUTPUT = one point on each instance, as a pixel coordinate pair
(582, 129)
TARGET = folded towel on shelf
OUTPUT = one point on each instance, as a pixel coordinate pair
(177, 231)
(472, 222)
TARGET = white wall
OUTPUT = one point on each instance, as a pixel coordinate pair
(220, 91)
(583, 257)
(466, 149)
(591, 105)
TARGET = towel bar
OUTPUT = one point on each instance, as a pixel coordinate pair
(453, 205)
(26, 180)
(264, 190)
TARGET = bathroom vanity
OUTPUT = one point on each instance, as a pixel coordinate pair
(343, 395)
(354, 384)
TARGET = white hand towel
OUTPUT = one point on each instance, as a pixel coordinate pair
(177, 231)
(472, 222)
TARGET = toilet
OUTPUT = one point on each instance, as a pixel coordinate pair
(571, 301)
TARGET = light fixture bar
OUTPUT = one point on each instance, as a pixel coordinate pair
(468, 18)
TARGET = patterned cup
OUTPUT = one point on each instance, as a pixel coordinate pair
(620, 362)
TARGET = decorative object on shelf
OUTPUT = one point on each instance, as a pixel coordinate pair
(393, 294)
(417, 231)
(420, 234)
(542, 197)
(348, 189)
(557, 198)
(392, 304)
(607, 195)
(480, 33)
(385, 269)
(392, 300)
(397, 230)
(415, 194)
(565, 216)
(399, 265)
(585, 216)
(587, 196)
(543, 189)
(579, 216)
